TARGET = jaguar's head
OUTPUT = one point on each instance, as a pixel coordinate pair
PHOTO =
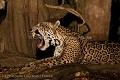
(45, 32)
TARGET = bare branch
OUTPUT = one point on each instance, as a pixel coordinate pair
(71, 10)
(63, 2)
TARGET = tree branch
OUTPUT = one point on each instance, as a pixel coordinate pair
(69, 10)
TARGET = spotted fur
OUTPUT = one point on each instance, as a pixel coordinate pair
(74, 48)
(101, 52)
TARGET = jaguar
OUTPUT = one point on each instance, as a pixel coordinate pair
(73, 47)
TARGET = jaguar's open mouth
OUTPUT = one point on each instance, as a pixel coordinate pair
(41, 41)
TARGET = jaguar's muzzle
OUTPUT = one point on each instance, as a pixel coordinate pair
(39, 37)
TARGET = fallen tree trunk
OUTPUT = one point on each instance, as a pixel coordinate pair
(64, 72)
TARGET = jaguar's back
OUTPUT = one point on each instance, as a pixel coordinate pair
(101, 52)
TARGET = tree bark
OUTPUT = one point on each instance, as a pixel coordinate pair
(97, 15)
(15, 29)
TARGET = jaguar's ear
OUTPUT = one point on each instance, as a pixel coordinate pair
(57, 24)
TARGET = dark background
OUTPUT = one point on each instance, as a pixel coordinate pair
(115, 21)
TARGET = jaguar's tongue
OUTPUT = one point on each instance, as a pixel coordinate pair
(40, 44)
